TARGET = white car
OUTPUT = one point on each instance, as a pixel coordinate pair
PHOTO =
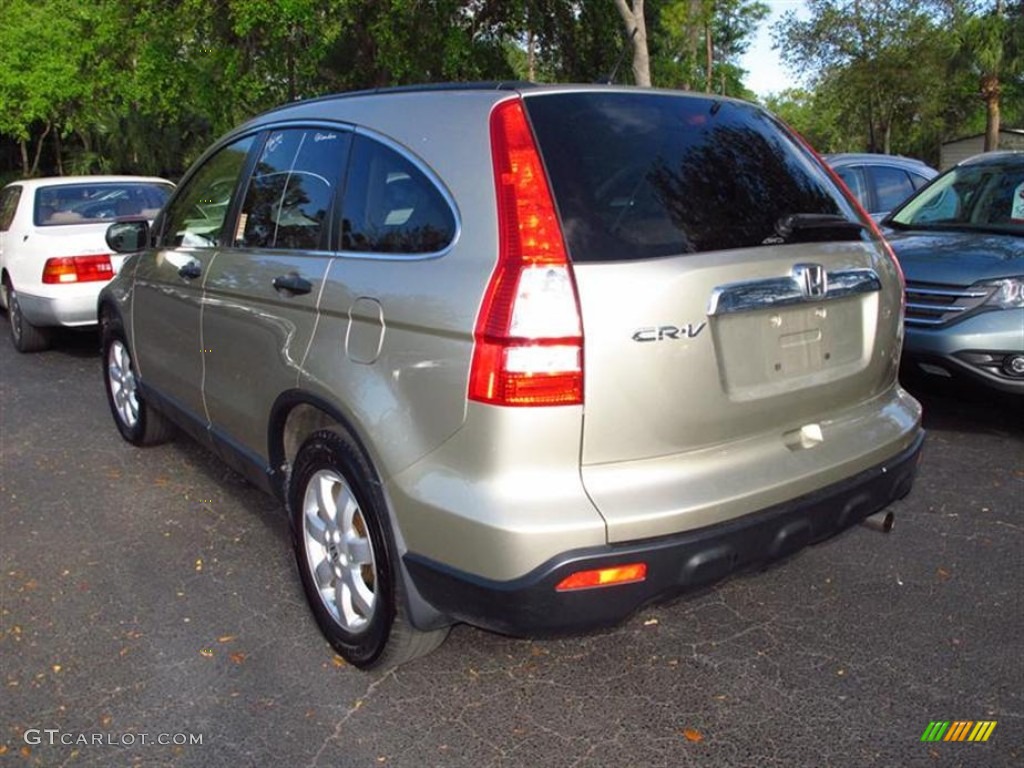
(53, 254)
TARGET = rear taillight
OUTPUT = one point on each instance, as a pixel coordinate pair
(78, 269)
(529, 338)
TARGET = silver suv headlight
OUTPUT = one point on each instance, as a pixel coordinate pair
(1008, 294)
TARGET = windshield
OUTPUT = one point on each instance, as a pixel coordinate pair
(984, 197)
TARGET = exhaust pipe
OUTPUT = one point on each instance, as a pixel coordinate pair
(880, 521)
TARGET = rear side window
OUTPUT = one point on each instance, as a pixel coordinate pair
(290, 192)
(854, 179)
(390, 204)
(639, 175)
(9, 198)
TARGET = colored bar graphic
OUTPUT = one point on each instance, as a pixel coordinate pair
(958, 730)
(935, 730)
(982, 730)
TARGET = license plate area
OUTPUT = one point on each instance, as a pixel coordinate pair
(765, 352)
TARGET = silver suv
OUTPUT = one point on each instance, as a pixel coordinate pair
(523, 357)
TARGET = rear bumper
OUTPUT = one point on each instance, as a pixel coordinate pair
(530, 605)
(72, 310)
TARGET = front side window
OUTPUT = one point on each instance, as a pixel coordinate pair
(391, 206)
(289, 196)
(9, 198)
(646, 175)
(196, 216)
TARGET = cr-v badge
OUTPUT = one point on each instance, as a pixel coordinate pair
(663, 332)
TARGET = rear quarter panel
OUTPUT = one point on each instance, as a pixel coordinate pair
(394, 337)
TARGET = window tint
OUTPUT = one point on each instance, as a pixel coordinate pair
(196, 215)
(639, 175)
(391, 206)
(892, 186)
(289, 195)
(81, 203)
(8, 205)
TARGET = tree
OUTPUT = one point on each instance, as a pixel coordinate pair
(990, 46)
(632, 13)
(703, 40)
(883, 56)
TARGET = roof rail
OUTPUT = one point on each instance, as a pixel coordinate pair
(482, 85)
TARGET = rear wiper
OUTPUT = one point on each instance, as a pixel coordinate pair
(814, 227)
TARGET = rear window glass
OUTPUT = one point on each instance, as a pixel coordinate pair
(639, 176)
(84, 203)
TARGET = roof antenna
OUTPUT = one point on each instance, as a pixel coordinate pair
(610, 80)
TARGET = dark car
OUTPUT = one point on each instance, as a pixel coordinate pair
(960, 242)
(880, 182)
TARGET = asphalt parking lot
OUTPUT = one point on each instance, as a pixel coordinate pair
(150, 614)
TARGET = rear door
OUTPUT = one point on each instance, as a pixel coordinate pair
(727, 288)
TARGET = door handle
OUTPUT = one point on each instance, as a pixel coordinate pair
(191, 271)
(293, 284)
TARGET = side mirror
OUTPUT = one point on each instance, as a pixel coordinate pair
(128, 236)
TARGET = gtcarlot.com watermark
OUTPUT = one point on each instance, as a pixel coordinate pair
(57, 737)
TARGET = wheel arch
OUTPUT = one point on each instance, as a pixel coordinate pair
(295, 416)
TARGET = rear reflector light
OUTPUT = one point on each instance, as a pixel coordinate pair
(78, 269)
(604, 577)
(528, 339)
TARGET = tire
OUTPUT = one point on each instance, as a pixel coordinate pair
(137, 421)
(25, 336)
(347, 558)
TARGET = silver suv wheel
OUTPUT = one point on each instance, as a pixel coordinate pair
(339, 552)
(121, 381)
(347, 557)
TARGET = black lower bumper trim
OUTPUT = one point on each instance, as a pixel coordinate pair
(530, 605)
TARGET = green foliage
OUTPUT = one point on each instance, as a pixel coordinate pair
(682, 34)
(892, 75)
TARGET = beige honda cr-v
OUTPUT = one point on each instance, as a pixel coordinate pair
(523, 357)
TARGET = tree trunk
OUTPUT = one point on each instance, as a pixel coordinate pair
(634, 20)
(990, 92)
(692, 43)
(58, 147)
(39, 149)
(709, 52)
(24, 157)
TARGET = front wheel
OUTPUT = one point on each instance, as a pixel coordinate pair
(346, 557)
